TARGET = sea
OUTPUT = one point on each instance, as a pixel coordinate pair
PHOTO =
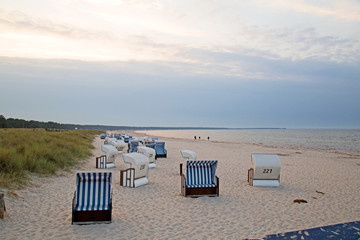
(346, 140)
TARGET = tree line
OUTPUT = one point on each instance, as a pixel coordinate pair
(21, 123)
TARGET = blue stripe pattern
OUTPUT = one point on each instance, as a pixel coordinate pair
(160, 148)
(133, 146)
(93, 191)
(201, 173)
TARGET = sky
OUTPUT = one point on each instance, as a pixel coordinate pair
(182, 63)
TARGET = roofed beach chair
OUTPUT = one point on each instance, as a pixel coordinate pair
(200, 179)
(161, 152)
(136, 172)
(107, 160)
(119, 144)
(187, 155)
(92, 202)
(150, 153)
(265, 171)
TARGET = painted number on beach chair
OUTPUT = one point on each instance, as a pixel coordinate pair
(142, 167)
(267, 170)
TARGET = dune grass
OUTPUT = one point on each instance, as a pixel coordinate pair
(24, 151)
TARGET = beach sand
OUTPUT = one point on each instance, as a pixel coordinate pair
(328, 181)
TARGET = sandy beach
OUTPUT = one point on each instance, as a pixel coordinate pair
(328, 181)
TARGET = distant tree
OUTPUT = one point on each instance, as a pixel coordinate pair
(2, 121)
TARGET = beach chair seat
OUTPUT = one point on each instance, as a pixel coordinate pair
(92, 202)
(265, 171)
(200, 179)
(161, 152)
(136, 172)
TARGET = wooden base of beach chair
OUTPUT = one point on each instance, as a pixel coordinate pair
(127, 179)
(201, 191)
(101, 161)
(160, 156)
(91, 217)
(250, 176)
(262, 182)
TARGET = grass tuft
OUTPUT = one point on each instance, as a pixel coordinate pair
(24, 151)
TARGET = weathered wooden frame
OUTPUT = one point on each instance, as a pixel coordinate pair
(199, 191)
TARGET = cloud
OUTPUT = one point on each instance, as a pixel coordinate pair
(23, 22)
(348, 10)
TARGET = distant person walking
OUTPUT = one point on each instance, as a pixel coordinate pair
(208, 138)
(195, 137)
(199, 137)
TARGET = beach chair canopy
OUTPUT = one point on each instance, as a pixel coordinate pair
(137, 161)
(188, 155)
(93, 191)
(201, 173)
(118, 144)
(266, 166)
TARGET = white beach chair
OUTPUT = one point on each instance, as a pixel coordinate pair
(110, 153)
(265, 171)
(150, 153)
(136, 172)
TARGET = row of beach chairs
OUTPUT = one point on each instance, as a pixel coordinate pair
(92, 201)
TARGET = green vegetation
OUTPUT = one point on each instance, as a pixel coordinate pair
(24, 151)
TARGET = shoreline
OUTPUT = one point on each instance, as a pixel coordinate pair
(158, 211)
(342, 152)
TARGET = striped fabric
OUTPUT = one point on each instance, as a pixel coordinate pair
(133, 146)
(160, 148)
(93, 190)
(200, 173)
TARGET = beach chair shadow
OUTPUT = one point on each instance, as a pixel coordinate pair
(200, 179)
(92, 202)
(265, 171)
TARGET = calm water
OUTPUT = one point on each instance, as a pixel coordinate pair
(343, 140)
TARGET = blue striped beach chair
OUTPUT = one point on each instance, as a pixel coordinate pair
(92, 202)
(200, 179)
(133, 146)
(160, 151)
